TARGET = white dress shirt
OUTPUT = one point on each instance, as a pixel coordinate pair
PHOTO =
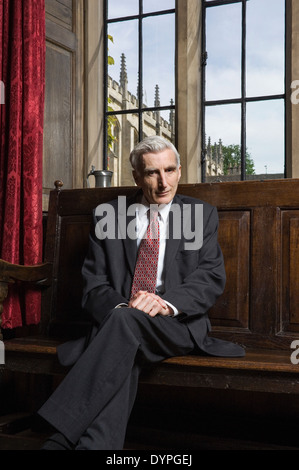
(142, 221)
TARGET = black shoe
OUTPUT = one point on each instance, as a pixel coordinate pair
(57, 442)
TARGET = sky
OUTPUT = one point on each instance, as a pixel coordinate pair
(265, 69)
(158, 48)
(264, 76)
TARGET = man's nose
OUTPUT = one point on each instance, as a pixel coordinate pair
(162, 179)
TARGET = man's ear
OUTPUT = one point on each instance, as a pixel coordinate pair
(136, 177)
(180, 172)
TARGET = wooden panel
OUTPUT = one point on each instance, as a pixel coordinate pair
(259, 240)
(67, 291)
(245, 194)
(61, 11)
(290, 271)
(63, 122)
(58, 125)
(265, 259)
(232, 308)
(60, 35)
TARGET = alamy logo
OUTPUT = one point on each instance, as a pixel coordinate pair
(2, 353)
(295, 354)
(185, 222)
(2, 92)
(295, 93)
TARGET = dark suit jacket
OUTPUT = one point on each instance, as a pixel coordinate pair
(194, 278)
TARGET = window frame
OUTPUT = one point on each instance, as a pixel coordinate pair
(243, 100)
(140, 110)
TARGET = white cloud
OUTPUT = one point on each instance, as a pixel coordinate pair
(265, 74)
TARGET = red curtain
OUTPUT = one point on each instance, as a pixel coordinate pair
(22, 72)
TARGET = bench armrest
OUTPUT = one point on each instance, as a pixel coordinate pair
(39, 274)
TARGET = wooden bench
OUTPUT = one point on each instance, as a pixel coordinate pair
(259, 236)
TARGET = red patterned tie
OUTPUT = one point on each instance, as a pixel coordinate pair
(145, 276)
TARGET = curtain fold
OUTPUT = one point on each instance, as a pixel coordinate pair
(22, 71)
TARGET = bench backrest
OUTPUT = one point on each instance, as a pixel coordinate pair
(259, 237)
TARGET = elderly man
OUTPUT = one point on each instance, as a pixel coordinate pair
(148, 291)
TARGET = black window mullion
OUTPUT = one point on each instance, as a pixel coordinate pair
(105, 91)
(203, 97)
(243, 94)
(247, 99)
(244, 99)
(144, 15)
(140, 69)
(243, 87)
(219, 3)
(136, 110)
(140, 109)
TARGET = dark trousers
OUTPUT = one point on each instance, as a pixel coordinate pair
(92, 405)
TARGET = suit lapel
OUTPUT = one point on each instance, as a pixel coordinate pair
(175, 235)
(129, 222)
(172, 244)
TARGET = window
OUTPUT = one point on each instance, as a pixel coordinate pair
(243, 89)
(139, 79)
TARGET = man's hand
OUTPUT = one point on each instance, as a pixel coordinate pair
(150, 303)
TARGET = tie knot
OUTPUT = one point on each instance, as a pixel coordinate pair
(153, 226)
(153, 215)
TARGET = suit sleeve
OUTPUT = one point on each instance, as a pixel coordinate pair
(99, 297)
(197, 291)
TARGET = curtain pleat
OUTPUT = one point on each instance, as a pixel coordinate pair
(22, 70)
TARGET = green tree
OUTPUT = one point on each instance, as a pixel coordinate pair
(232, 159)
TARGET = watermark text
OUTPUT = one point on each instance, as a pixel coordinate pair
(295, 93)
(2, 353)
(183, 222)
(152, 459)
(295, 353)
(2, 92)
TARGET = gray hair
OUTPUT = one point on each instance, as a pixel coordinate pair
(152, 144)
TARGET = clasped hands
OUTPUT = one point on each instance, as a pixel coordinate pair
(150, 303)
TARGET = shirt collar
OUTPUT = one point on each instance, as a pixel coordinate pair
(163, 209)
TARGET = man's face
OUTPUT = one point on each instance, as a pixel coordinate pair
(158, 177)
